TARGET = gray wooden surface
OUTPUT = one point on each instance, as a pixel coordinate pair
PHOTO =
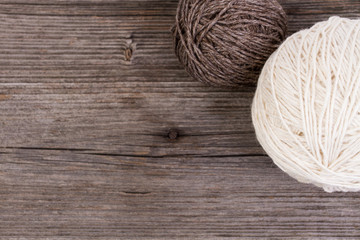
(104, 136)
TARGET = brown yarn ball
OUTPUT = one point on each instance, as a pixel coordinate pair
(226, 42)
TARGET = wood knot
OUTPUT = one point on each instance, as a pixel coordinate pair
(128, 53)
(173, 134)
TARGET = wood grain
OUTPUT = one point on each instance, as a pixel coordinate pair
(104, 136)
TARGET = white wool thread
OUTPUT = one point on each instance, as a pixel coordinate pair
(306, 109)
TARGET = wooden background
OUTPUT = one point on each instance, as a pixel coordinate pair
(104, 136)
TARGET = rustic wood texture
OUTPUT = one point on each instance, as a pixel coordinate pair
(104, 136)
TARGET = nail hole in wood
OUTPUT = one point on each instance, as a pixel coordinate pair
(173, 134)
(128, 53)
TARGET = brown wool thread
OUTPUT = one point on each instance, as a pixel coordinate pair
(226, 42)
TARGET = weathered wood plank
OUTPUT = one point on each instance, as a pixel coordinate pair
(89, 90)
(63, 193)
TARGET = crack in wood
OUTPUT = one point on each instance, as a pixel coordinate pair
(93, 152)
(136, 193)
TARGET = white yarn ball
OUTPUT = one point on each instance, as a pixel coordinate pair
(306, 107)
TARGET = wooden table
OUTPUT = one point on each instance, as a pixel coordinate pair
(103, 135)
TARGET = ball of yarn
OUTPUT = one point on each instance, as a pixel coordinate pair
(226, 42)
(306, 109)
